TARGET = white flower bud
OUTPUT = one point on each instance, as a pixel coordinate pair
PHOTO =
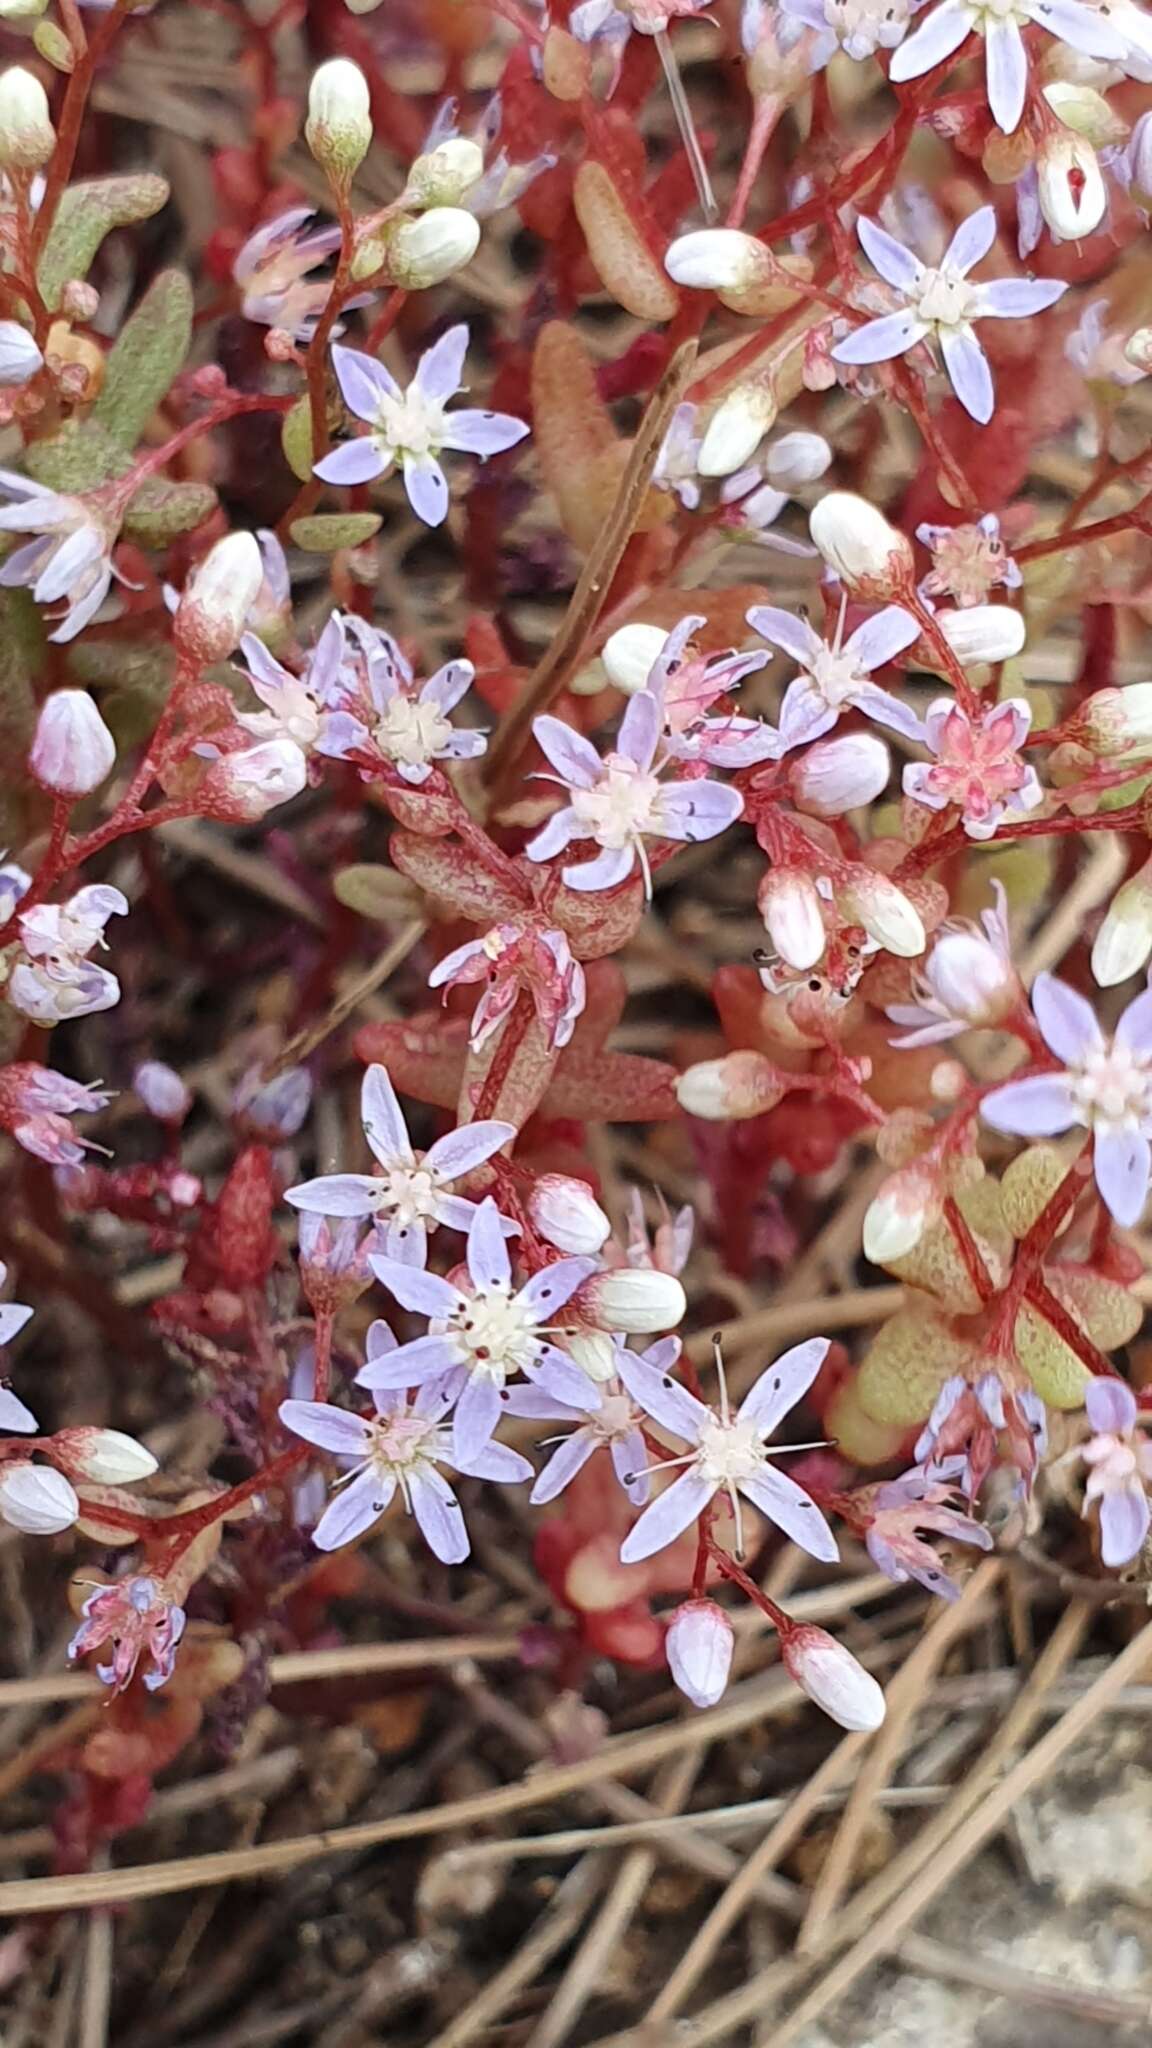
(421, 253)
(36, 1499)
(1070, 186)
(859, 544)
(1124, 940)
(594, 1351)
(833, 1678)
(104, 1456)
(736, 430)
(1138, 159)
(836, 776)
(972, 978)
(72, 749)
(19, 356)
(217, 598)
(447, 172)
(22, 10)
(27, 137)
(162, 1091)
(699, 1646)
(797, 459)
(1138, 347)
(629, 653)
(1118, 721)
(983, 632)
(716, 259)
(240, 788)
(896, 1219)
(740, 1085)
(566, 1213)
(640, 1301)
(789, 903)
(338, 130)
(884, 911)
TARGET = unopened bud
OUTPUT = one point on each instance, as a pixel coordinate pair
(858, 543)
(885, 912)
(19, 356)
(162, 1092)
(217, 598)
(447, 172)
(104, 1456)
(797, 459)
(699, 1646)
(1118, 721)
(27, 137)
(639, 1301)
(274, 1109)
(594, 1351)
(789, 903)
(833, 1678)
(983, 632)
(896, 1219)
(736, 430)
(21, 10)
(72, 749)
(566, 1213)
(36, 1499)
(1124, 940)
(629, 653)
(1138, 161)
(973, 979)
(338, 130)
(1070, 186)
(742, 1084)
(1085, 111)
(1138, 347)
(842, 775)
(421, 253)
(716, 259)
(241, 788)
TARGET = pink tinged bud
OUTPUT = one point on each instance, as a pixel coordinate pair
(1124, 940)
(736, 430)
(639, 1302)
(884, 911)
(217, 598)
(37, 1500)
(19, 356)
(1118, 721)
(833, 1678)
(842, 775)
(242, 787)
(896, 1219)
(1070, 186)
(972, 978)
(277, 1108)
(162, 1091)
(72, 750)
(699, 1646)
(790, 906)
(742, 1084)
(858, 543)
(104, 1456)
(983, 632)
(628, 656)
(566, 1213)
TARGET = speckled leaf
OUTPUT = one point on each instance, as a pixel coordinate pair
(160, 511)
(79, 458)
(87, 212)
(296, 440)
(326, 532)
(375, 892)
(907, 1364)
(1052, 1366)
(147, 356)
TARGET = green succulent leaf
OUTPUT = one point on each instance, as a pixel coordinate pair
(86, 213)
(147, 356)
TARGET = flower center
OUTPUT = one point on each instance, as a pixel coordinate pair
(408, 1193)
(621, 806)
(1114, 1088)
(729, 1451)
(400, 1442)
(945, 298)
(414, 424)
(835, 676)
(614, 1418)
(498, 1334)
(411, 733)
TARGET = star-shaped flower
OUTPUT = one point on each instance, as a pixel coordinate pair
(1119, 1457)
(977, 764)
(1001, 23)
(838, 677)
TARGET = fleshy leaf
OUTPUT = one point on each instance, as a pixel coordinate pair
(87, 212)
(160, 511)
(80, 457)
(147, 356)
(621, 257)
(579, 450)
(326, 532)
(936, 1264)
(296, 440)
(1028, 1185)
(1057, 1374)
(374, 891)
(906, 1365)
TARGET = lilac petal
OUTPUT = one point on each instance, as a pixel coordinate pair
(549, 1289)
(669, 1515)
(1122, 1162)
(896, 264)
(439, 1516)
(13, 1316)
(805, 714)
(471, 955)
(70, 559)
(562, 827)
(885, 709)
(628, 1462)
(1013, 298)
(439, 370)
(1066, 1019)
(354, 462)
(1123, 1526)
(426, 1294)
(610, 868)
(501, 1463)
(1082, 27)
(639, 730)
(569, 1459)
(938, 37)
(336, 1194)
(432, 1398)
(407, 1242)
(477, 1413)
(563, 1379)
(536, 1404)
(968, 373)
(1006, 70)
(363, 382)
(1110, 1406)
(472, 432)
(881, 637)
(694, 811)
(457, 1212)
(1040, 1106)
(410, 1365)
(1134, 1028)
(878, 341)
(333, 1429)
(353, 1510)
(792, 1510)
(488, 1261)
(781, 1385)
(794, 636)
(13, 1413)
(662, 1397)
(383, 1119)
(572, 756)
(460, 1151)
(427, 488)
(448, 685)
(972, 241)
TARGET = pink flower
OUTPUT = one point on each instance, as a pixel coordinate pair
(939, 302)
(900, 1510)
(1104, 1085)
(838, 678)
(134, 1616)
(412, 427)
(334, 1268)
(412, 1194)
(685, 683)
(729, 1454)
(967, 561)
(509, 959)
(977, 766)
(960, 1438)
(34, 1103)
(1120, 1460)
